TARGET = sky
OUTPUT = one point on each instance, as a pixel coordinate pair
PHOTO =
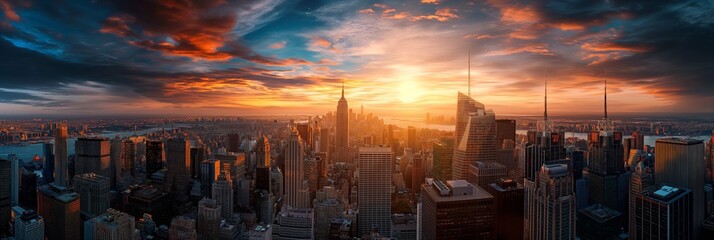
(395, 58)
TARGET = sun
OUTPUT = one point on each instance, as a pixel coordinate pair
(410, 91)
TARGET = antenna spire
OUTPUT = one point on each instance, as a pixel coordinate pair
(545, 113)
(469, 62)
(343, 88)
(604, 77)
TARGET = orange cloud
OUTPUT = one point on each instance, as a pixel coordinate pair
(278, 45)
(8, 11)
(441, 15)
(323, 43)
(518, 14)
(366, 11)
(430, 1)
(537, 48)
(118, 26)
(400, 15)
(604, 47)
(479, 36)
(379, 5)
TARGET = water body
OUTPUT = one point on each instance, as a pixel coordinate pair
(28, 151)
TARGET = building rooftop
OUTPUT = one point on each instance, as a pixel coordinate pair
(681, 141)
(668, 194)
(488, 164)
(457, 190)
(600, 213)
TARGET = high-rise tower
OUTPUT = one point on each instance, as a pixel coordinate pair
(178, 176)
(295, 194)
(554, 209)
(342, 130)
(374, 190)
(61, 156)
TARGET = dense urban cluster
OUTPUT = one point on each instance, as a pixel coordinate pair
(348, 175)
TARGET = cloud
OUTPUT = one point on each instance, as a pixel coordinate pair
(430, 1)
(8, 10)
(441, 15)
(278, 45)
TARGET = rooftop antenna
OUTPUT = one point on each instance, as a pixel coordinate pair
(605, 126)
(545, 126)
(469, 62)
(343, 89)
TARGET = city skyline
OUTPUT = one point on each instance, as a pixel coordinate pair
(396, 59)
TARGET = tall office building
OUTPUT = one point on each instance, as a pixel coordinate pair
(442, 155)
(29, 226)
(295, 224)
(61, 156)
(209, 218)
(374, 190)
(113, 225)
(599, 222)
(223, 194)
(456, 210)
(60, 208)
(5, 192)
(178, 163)
(484, 173)
(305, 131)
(92, 156)
(48, 166)
(665, 213)
(478, 136)
(93, 192)
(198, 155)
(183, 228)
(642, 183)
(150, 200)
(341, 153)
(154, 157)
(679, 162)
(324, 140)
(262, 152)
(233, 142)
(418, 172)
(508, 198)
(505, 130)
(28, 191)
(210, 169)
(296, 195)
(411, 138)
(552, 214)
(328, 205)
(127, 157)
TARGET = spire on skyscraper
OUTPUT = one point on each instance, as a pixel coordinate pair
(605, 126)
(545, 126)
(469, 62)
(545, 107)
(343, 90)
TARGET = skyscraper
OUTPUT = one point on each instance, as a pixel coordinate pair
(508, 201)
(60, 208)
(374, 200)
(484, 173)
(296, 195)
(92, 156)
(262, 152)
(342, 130)
(552, 216)
(411, 138)
(113, 225)
(93, 192)
(29, 226)
(505, 130)
(210, 169)
(679, 162)
(127, 158)
(61, 156)
(324, 140)
(28, 191)
(328, 206)
(442, 154)
(665, 213)
(48, 166)
(233, 142)
(198, 154)
(223, 194)
(476, 136)
(209, 218)
(5, 192)
(456, 210)
(642, 183)
(154, 157)
(178, 160)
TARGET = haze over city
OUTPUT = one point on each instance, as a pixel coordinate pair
(397, 58)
